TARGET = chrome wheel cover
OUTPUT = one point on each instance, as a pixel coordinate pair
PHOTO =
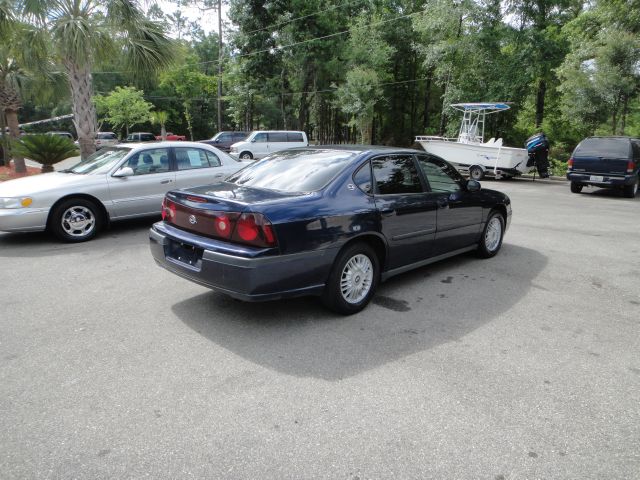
(493, 234)
(356, 279)
(78, 221)
(475, 173)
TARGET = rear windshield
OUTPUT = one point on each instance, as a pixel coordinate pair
(603, 147)
(294, 170)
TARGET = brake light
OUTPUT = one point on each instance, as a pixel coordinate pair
(630, 166)
(254, 229)
(168, 209)
(570, 164)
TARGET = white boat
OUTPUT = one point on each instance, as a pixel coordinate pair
(470, 153)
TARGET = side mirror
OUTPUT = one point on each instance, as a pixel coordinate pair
(253, 140)
(473, 186)
(217, 140)
(124, 172)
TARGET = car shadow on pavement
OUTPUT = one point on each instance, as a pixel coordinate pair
(40, 244)
(413, 312)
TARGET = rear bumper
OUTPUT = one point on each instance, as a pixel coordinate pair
(602, 180)
(238, 275)
(23, 219)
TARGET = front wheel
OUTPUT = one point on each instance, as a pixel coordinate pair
(492, 235)
(76, 220)
(630, 191)
(246, 156)
(576, 187)
(353, 280)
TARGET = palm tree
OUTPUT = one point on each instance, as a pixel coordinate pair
(82, 32)
(161, 118)
(24, 66)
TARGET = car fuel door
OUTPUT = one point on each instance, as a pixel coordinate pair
(407, 213)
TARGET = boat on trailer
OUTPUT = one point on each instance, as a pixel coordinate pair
(470, 154)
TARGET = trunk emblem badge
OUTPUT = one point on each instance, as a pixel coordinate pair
(192, 219)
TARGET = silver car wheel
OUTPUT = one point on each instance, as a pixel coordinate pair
(78, 221)
(493, 234)
(356, 279)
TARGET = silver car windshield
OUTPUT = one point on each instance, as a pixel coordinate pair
(100, 162)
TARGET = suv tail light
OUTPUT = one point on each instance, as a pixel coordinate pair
(630, 166)
(570, 164)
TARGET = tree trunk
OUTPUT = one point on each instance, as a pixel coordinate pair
(625, 112)
(84, 111)
(163, 131)
(542, 89)
(427, 98)
(14, 131)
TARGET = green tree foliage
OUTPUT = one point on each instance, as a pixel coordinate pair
(124, 107)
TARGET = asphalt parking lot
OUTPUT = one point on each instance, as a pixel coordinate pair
(523, 366)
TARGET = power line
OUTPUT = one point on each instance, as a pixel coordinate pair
(276, 25)
(324, 37)
(311, 92)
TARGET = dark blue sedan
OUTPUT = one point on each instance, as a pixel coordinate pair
(327, 221)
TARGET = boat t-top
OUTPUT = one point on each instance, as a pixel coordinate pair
(470, 153)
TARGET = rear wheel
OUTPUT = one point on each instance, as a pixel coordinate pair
(476, 173)
(76, 220)
(492, 235)
(630, 191)
(576, 187)
(353, 280)
(246, 156)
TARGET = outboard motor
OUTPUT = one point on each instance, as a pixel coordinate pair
(538, 149)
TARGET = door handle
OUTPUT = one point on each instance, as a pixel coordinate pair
(218, 175)
(386, 212)
(443, 202)
(166, 180)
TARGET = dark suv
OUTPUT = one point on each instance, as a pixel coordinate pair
(606, 162)
(224, 140)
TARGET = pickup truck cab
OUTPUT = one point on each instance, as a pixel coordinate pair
(141, 137)
(606, 162)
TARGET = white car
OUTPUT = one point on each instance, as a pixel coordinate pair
(264, 142)
(115, 183)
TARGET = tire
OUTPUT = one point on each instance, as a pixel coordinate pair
(476, 173)
(576, 187)
(492, 235)
(630, 191)
(246, 156)
(353, 280)
(76, 220)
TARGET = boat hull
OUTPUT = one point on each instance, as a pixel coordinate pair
(494, 160)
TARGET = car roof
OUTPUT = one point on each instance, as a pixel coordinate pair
(361, 148)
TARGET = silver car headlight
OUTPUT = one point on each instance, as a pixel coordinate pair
(12, 202)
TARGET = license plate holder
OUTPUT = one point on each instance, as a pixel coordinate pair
(184, 253)
(596, 178)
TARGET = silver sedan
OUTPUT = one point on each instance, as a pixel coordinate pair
(115, 183)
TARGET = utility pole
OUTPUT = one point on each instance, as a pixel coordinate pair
(219, 65)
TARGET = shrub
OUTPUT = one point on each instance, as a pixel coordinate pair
(45, 149)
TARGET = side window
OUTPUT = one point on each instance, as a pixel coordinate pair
(441, 176)
(260, 138)
(362, 178)
(396, 174)
(277, 137)
(190, 158)
(294, 137)
(224, 137)
(214, 161)
(238, 137)
(149, 161)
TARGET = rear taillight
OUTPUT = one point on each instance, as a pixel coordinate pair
(168, 209)
(570, 164)
(254, 229)
(630, 166)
